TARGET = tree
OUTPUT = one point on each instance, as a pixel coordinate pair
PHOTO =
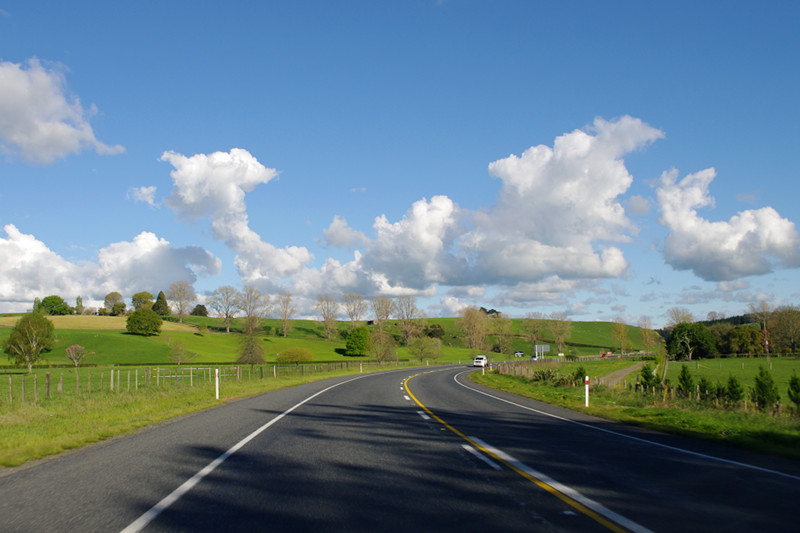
(794, 391)
(764, 392)
(357, 343)
(685, 382)
(762, 312)
(32, 335)
(79, 308)
(160, 306)
(182, 295)
(560, 327)
(224, 303)
(619, 330)
(143, 321)
(533, 325)
(355, 306)
(475, 325)
(502, 330)
(111, 299)
(178, 353)
(253, 305)
(75, 353)
(407, 313)
(199, 310)
(286, 311)
(742, 339)
(678, 315)
(382, 309)
(54, 305)
(118, 309)
(328, 309)
(786, 327)
(691, 340)
(422, 348)
(142, 299)
(252, 353)
(648, 376)
(734, 392)
(295, 355)
(382, 346)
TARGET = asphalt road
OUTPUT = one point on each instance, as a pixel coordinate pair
(413, 450)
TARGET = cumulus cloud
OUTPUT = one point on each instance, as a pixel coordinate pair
(145, 195)
(39, 119)
(214, 186)
(752, 242)
(29, 269)
(340, 234)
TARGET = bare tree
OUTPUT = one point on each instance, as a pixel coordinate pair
(253, 305)
(182, 295)
(407, 313)
(355, 306)
(560, 327)
(475, 324)
(328, 309)
(502, 330)
(224, 302)
(762, 312)
(678, 315)
(75, 353)
(619, 330)
(533, 325)
(652, 344)
(286, 311)
(382, 310)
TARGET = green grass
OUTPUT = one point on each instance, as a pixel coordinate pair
(777, 435)
(742, 368)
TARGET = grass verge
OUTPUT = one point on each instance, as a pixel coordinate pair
(774, 435)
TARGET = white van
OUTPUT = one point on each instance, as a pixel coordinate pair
(480, 360)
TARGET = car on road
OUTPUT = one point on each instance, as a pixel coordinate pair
(480, 360)
(519, 354)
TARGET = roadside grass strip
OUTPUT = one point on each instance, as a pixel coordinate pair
(586, 506)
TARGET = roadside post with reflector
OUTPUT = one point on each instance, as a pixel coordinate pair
(587, 391)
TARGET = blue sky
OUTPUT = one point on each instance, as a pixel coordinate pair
(603, 159)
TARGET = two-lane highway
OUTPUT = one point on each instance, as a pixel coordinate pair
(401, 450)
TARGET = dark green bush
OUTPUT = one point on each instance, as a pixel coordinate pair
(144, 321)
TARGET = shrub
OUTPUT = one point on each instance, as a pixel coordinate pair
(648, 377)
(357, 343)
(764, 391)
(295, 355)
(685, 383)
(734, 392)
(707, 389)
(794, 390)
(144, 321)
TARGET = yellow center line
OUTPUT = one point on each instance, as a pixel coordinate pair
(552, 490)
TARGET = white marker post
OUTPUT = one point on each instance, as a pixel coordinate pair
(216, 380)
(587, 391)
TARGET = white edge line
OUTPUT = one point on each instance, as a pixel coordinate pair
(639, 439)
(141, 522)
(480, 456)
(566, 490)
(424, 415)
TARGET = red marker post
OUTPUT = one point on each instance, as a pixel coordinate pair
(587, 391)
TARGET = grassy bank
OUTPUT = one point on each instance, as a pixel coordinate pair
(776, 435)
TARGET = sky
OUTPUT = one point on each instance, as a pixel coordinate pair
(601, 159)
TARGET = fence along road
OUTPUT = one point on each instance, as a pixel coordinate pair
(361, 455)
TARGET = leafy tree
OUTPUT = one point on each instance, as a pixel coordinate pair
(764, 391)
(182, 295)
(178, 353)
(75, 353)
(382, 309)
(199, 310)
(786, 328)
(54, 305)
(144, 321)
(357, 343)
(422, 348)
(111, 299)
(691, 341)
(685, 382)
(475, 325)
(32, 335)
(223, 301)
(743, 339)
(79, 308)
(407, 313)
(435, 331)
(142, 299)
(252, 352)
(619, 330)
(295, 355)
(794, 390)
(118, 309)
(648, 377)
(533, 325)
(160, 306)
(382, 346)
(734, 392)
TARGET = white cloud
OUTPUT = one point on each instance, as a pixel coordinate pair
(39, 119)
(340, 234)
(214, 186)
(29, 269)
(752, 242)
(145, 195)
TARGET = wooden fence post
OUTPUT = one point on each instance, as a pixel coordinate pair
(23, 388)
(47, 386)
(10, 390)
(35, 389)
(61, 385)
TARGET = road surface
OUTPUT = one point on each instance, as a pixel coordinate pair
(415, 450)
